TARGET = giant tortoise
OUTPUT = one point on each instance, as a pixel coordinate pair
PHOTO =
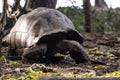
(44, 32)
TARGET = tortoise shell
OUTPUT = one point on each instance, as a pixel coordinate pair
(41, 25)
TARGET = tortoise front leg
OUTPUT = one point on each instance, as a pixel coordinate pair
(34, 53)
(12, 54)
(77, 52)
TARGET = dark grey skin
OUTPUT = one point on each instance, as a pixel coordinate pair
(76, 51)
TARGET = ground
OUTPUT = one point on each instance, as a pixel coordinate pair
(104, 48)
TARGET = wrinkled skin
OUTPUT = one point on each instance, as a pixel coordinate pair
(76, 51)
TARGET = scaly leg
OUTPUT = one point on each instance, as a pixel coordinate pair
(34, 53)
(77, 52)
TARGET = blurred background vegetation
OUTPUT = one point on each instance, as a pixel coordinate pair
(106, 22)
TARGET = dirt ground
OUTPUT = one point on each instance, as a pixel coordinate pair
(104, 48)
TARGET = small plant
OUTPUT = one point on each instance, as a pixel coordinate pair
(3, 59)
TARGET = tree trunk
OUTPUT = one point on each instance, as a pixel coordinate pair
(100, 6)
(32, 4)
(100, 3)
(87, 12)
(3, 21)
